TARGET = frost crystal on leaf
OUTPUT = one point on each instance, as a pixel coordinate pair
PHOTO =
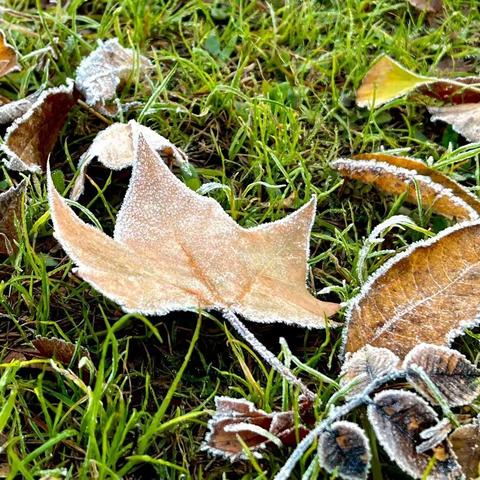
(464, 119)
(466, 445)
(176, 250)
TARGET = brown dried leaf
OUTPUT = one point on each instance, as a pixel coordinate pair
(425, 294)
(10, 210)
(366, 365)
(435, 435)
(466, 445)
(257, 429)
(397, 175)
(12, 110)
(387, 80)
(104, 70)
(344, 448)
(464, 119)
(450, 371)
(31, 138)
(8, 57)
(57, 349)
(176, 250)
(432, 6)
(398, 418)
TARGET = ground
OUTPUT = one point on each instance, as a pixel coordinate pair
(255, 93)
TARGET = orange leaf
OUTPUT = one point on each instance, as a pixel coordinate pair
(176, 250)
(8, 57)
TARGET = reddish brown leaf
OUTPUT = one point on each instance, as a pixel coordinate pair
(432, 6)
(57, 349)
(466, 445)
(8, 57)
(10, 210)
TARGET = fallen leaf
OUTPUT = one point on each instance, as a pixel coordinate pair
(57, 349)
(398, 418)
(10, 111)
(397, 175)
(465, 442)
(435, 435)
(456, 378)
(426, 294)
(8, 57)
(256, 428)
(113, 147)
(387, 80)
(344, 449)
(104, 70)
(464, 119)
(432, 6)
(31, 138)
(10, 210)
(176, 250)
(366, 365)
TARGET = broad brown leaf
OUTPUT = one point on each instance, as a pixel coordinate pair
(10, 210)
(465, 442)
(398, 175)
(426, 294)
(432, 6)
(398, 418)
(173, 249)
(464, 119)
(449, 370)
(8, 57)
(31, 138)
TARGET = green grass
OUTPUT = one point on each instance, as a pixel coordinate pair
(256, 93)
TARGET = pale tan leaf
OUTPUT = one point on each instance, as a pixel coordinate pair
(464, 119)
(113, 147)
(31, 138)
(426, 294)
(398, 418)
(432, 6)
(10, 210)
(366, 365)
(398, 175)
(344, 449)
(8, 57)
(104, 70)
(456, 378)
(176, 250)
(465, 442)
(12, 110)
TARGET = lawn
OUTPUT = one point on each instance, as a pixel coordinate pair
(261, 97)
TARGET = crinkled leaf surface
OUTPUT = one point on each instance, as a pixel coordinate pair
(398, 175)
(465, 442)
(450, 371)
(8, 57)
(464, 119)
(173, 249)
(426, 294)
(398, 418)
(10, 209)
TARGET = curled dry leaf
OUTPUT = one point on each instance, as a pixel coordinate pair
(464, 119)
(104, 70)
(256, 428)
(431, 6)
(8, 57)
(344, 448)
(425, 294)
(113, 147)
(465, 442)
(173, 249)
(10, 210)
(456, 378)
(366, 365)
(398, 418)
(12, 110)
(31, 138)
(387, 80)
(435, 435)
(398, 175)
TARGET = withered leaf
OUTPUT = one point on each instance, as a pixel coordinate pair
(113, 147)
(398, 418)
(454, 376)
(435, 435)
(426, 294)
(31, 138)
(8, 57)
(12, 110)
(104, 70)
(257, 429)
(366, 365)
(464, 119)
(10, 210)
(387, 80)
(465, 442)
(57, 349)
(432, 6)
(397, 175)
(344, 448)
(173, 249)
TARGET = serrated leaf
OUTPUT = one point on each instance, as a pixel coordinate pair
(464, 119)
(8, 57)
(176, 250)
(398, 418)
(344, 448)
(465, 442)
(10, 210)
(456, 378)
(365, 366)
(426, 294)
(399, 175)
